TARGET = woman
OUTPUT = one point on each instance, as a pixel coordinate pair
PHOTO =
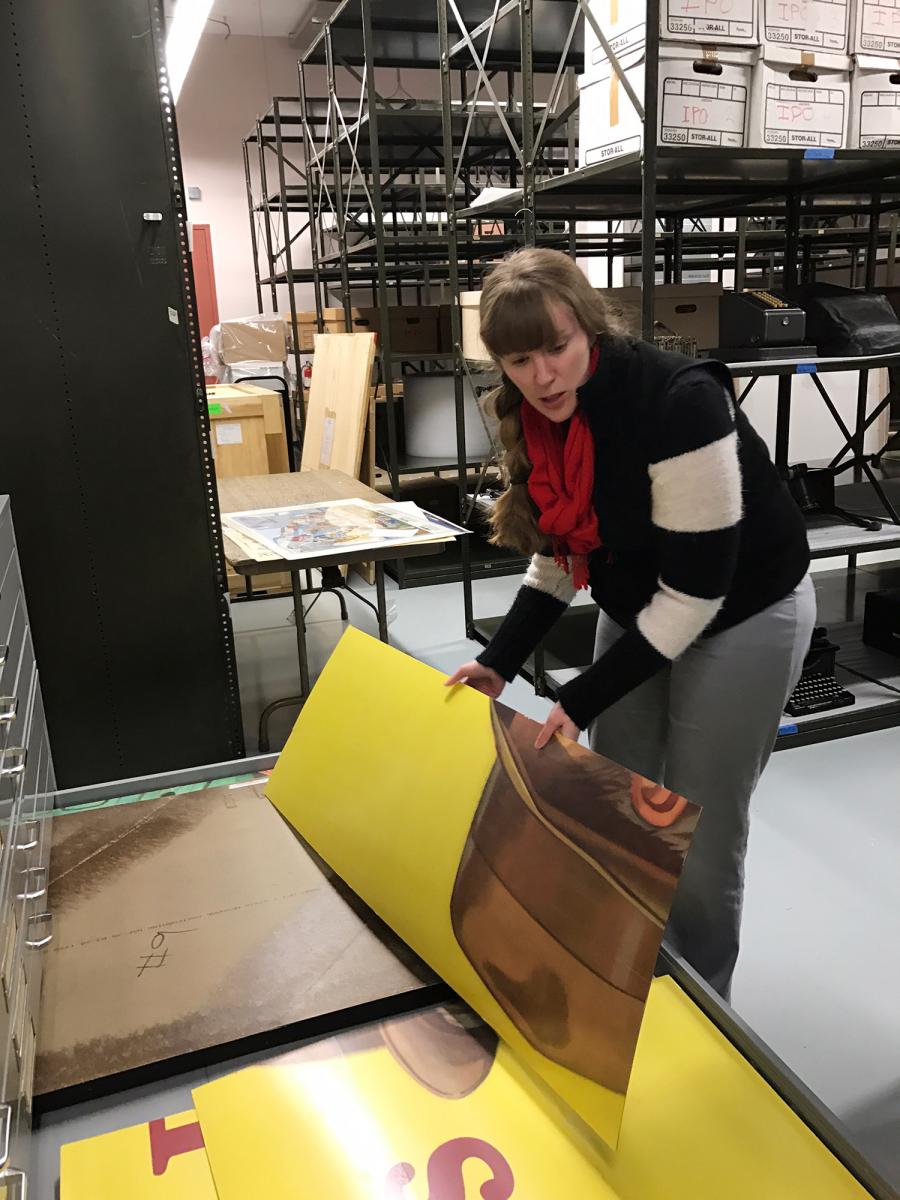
(632, 472)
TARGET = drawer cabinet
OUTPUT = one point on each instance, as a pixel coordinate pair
(27, 786)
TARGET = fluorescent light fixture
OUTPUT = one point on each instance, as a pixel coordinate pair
(188, 22)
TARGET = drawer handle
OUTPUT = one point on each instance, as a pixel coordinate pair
(12, 762)
(5, 1123)
(15, 1176)
(32, 836)
(31, 890)
(40, 942)
(9, 706)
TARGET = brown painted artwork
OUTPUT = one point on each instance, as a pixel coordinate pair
(193, 921)
(563, 892)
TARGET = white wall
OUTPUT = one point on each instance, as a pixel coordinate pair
(231, 82)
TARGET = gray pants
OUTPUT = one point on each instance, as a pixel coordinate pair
(705, 727)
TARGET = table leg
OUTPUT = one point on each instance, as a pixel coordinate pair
(297, 589)
(288, 701)
(382, 603)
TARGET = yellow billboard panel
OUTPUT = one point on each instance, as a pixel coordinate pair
(536, 883)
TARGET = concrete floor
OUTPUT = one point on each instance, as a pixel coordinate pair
(819, 973)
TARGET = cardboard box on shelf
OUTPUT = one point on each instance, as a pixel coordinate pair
(415, 329)
(690, 310)
(805, 24)
(704, 101)
(875, 27)
(624, 25)
(875, 104)
(362, 319)
(799, 99)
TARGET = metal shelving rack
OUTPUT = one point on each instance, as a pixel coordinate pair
(383, 219)
(785, 207)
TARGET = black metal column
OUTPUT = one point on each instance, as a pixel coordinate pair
(455, 320)
(106, 454)
(648, 171)
(251, 210)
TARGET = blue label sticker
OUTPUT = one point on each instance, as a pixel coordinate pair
(783, 730)
(806, 368)
(819, 152)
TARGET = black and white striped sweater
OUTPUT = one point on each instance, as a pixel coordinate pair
(699, 532)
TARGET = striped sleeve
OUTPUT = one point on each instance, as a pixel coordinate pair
(546, 592)
(695, 481)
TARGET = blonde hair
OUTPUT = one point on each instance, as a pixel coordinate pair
(516, 318)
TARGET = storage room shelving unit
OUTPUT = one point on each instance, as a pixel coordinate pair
(392, 186)
(795, 213)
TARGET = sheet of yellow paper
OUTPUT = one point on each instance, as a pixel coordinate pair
(162, 1160)
(419, 1109)
(532, 884)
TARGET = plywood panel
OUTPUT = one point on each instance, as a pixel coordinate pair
(338, 402)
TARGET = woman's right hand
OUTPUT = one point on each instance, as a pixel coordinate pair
(482, 679)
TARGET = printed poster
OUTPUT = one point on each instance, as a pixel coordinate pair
(307, 530)
(536, 883)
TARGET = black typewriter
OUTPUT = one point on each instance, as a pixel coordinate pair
(817, 693)
(818, 690)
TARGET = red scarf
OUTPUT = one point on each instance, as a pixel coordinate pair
(561, 484)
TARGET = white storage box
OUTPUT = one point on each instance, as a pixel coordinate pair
(624, 24)
(704, 101)
(875, 27)
(430, 416)
(875, 104)
(805, 24)
(800, 100)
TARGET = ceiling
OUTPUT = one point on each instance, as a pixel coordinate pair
(256, 18)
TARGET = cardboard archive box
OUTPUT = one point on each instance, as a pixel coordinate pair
(690, 310)
(875, 104)
(704, 94)
(875, 27)
(413, 328)
(799, 99)
(805, 24)
(624, 22)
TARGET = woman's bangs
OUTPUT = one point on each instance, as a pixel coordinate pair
(522, 322)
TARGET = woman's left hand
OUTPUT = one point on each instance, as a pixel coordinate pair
(557, 722)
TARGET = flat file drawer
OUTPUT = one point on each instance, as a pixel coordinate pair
(11, 594)
(7, 541)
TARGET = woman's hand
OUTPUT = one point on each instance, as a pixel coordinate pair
(482, 679)
(557, 722)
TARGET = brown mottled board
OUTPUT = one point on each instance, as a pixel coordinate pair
(195, 921)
